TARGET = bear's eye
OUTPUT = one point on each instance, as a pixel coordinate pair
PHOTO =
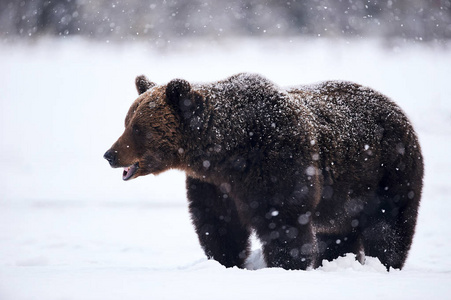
(136, 129)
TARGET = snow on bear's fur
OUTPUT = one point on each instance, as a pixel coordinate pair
(316, 171)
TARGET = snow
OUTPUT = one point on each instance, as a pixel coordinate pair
(70, 228)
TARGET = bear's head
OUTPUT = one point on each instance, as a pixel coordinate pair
(156, 128)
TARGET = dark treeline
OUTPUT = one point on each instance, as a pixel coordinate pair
(422, 20)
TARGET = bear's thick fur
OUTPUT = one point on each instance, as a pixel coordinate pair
(316, 171)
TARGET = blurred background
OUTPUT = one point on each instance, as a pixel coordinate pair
(163, 22)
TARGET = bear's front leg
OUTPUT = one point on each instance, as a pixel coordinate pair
(291, 246)
(221, 233)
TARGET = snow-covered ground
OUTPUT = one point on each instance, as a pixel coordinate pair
(71, 229)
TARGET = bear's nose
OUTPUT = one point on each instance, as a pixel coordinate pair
(110, 156)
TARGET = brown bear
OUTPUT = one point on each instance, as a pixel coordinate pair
(316, 171)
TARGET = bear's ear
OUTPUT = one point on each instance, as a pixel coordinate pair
(143, 84)
(185, 101)
(177, 90)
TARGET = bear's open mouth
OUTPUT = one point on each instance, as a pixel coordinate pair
(130, 171)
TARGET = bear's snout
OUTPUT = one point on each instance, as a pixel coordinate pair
(111, 157)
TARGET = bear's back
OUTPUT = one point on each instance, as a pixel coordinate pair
(349, 113)
(344, 121)
(352, 123)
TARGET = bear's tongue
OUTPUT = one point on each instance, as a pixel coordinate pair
(129, 172)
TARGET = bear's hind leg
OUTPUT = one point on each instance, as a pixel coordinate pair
(332, 246)
(221, 233)
(389, 218)
(383, 241)
(387, 233)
